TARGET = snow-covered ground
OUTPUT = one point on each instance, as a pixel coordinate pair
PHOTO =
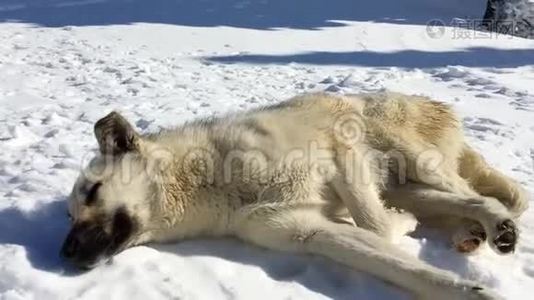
(65, 63)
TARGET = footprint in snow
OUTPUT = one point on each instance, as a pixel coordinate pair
(480, 127)
(483, 95)
(525, 103)
(529, 270)
(143, 124)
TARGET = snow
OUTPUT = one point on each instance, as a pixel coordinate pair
(64, 64)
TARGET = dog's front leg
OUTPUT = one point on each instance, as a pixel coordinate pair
(357, 184)
(305, 230)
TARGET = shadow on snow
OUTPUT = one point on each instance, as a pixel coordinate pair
(469, 57)
(257, 14)
(41, 233)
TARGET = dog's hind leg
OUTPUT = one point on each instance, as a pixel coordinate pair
(305, 230)
(427, 202)
(487, 181)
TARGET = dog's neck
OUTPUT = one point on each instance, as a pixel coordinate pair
(182, 212)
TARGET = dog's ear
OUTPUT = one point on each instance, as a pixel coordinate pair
(115, 135)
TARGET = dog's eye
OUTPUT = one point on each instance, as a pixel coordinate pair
(70, 217)
(92, 193)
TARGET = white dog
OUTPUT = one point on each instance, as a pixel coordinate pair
(318, 174)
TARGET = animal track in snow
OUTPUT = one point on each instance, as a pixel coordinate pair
(480, 127)
(524, 103)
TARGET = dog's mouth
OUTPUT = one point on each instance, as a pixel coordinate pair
(88, 244)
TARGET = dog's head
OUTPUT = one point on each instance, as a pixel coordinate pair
(110, 203)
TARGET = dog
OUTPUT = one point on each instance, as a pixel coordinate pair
(337, 176)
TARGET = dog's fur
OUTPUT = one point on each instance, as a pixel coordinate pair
(286, 177)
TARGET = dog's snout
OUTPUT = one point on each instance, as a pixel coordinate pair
(90, 242)
(85, 245)
(70, 247)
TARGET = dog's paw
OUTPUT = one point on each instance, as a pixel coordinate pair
(506, 237)
(469, 245)
(473, 290)
(481, 293)
(462, 290)
(469, 238)
(404, 223)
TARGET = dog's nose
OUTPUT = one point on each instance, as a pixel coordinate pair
(70, 247)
